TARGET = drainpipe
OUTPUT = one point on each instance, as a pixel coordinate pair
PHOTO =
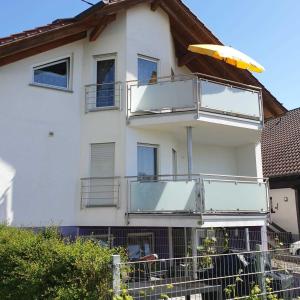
(189, 150)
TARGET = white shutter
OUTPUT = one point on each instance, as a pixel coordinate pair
(102, 160)
(101, 191)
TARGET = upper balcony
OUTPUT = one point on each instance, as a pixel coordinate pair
(195, 93)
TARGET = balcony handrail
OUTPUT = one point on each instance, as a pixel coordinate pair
(87, 178)
(200, 180)
(106, 83)
(228, 82)
(100, 191)
(201, 76)
(107, 98)
(197, 175)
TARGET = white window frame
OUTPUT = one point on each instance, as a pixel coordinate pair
(157, 156)
(151, 59)
(68, 59)
(141, 234)
(90, 158)
(102, 57)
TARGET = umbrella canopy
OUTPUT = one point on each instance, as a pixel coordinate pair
(229, 55)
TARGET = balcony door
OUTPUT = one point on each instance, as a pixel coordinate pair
(105, 83)
(147, 161)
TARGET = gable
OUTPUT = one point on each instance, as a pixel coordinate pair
(185, 29)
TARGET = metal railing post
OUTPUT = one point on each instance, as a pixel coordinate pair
(189, 150)
(194, 251)
(116, 260)
(247, 239)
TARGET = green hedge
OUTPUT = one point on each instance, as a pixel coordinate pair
(45, 266)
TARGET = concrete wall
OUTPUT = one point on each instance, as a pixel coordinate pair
(284, 205)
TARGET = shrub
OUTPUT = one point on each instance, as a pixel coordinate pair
(45, 266)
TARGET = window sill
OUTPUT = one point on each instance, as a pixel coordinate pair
(101, 206)
(104, 108)
(61, 89)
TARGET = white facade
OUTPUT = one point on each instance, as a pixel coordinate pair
(285, 209)
(46, 134)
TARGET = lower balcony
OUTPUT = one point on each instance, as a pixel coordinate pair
(197, 194)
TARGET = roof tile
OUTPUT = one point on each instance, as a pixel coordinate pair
(281, 145)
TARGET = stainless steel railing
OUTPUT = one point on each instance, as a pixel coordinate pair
(194, 92)
(103, 96)
(100, 191)
(197, 193)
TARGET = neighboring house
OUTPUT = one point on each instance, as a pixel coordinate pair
(110, 127)
(281, 163)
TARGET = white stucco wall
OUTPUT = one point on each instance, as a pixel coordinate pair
(284, 206)
(46, 168)
(40, 174)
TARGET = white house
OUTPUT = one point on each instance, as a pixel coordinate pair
(109, 126)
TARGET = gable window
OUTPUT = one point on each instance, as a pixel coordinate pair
(147, 70)
(55, 74)
(105, 83)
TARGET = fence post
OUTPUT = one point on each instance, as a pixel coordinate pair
(264, 238)
(194, 251)
(247, 239)
(116, 260)
(261, 260)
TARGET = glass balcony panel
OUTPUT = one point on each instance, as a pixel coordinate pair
(233, 196)
(159, 196)
(229, 99)
(165, 95)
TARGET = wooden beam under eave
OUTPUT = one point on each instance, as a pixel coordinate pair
(155, 4)
(101, 26)
(42, 39)
(186, 58)
(42, 48)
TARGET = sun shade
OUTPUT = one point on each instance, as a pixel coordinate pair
(229, 55)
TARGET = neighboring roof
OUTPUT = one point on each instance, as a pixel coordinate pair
(281, 145)
(186, 29)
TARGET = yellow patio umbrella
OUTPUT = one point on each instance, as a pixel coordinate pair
(229, 55)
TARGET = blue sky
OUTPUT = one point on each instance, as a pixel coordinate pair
(267, 30)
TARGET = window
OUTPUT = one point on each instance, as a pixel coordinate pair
(105, 83)
(102, 160)
(54, 74)
(147, 161)
(140, 244)
(147, 71)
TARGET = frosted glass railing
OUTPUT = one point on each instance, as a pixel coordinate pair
(202, 193)
(159, 196)
(235, 196)
(230, 99)
(165, 95)
(194, 93)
